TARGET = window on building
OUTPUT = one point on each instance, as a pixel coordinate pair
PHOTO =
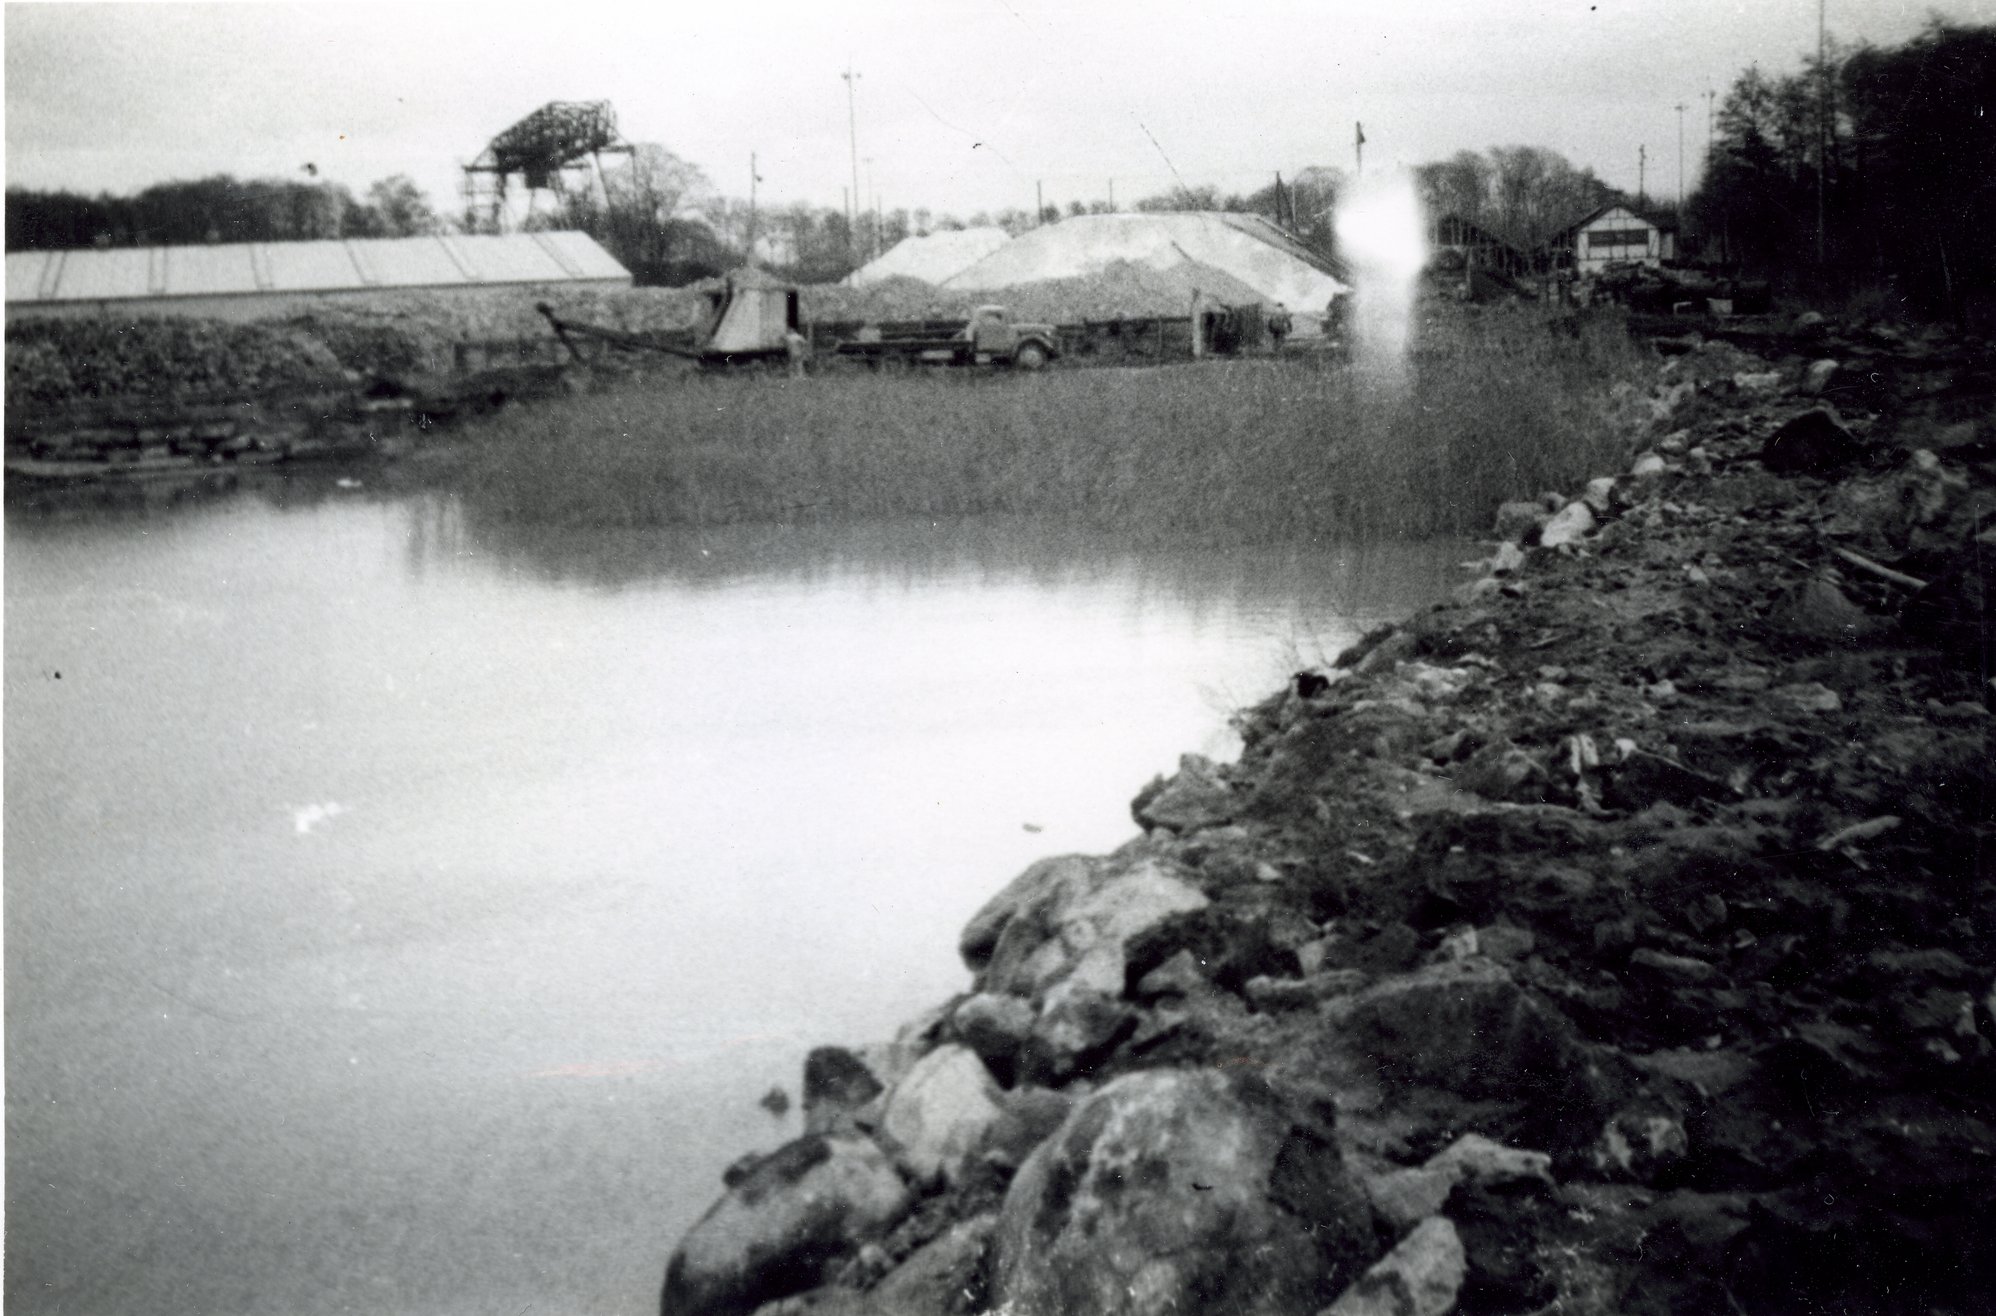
(1618, 237)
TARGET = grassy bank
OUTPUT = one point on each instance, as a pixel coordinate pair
(1492, 407)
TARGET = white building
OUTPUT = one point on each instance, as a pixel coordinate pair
(1611, 235)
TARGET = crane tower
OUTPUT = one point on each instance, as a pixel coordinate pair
(541, 149)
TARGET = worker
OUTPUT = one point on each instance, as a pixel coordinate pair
(1336, 313)
(1278, 325)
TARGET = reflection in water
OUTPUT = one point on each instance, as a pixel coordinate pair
(1336, 585)
(405, 915)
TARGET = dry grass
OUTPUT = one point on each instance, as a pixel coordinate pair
(1492, 407)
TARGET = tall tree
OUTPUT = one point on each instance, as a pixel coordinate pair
(1901, 143)
(401, 209)
(1459, 186)
(1923, 130)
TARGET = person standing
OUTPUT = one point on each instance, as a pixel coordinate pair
(1278, 325)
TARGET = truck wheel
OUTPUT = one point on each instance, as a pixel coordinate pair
(1030, 356)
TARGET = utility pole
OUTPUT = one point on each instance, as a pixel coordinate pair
(1039, 203)
(873, 205)
(1710, 146)
(1358, 147)
(752, 181)
(852, 134)
(1112, 196)
(1642, 175)
(1680, 161)
(1822, 131)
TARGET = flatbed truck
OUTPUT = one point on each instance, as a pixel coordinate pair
(991, 337)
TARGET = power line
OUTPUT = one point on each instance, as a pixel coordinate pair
(1167, 159)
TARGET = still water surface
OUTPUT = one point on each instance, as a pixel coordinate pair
(404, 914)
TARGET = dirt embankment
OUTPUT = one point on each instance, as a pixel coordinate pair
(1618, 938)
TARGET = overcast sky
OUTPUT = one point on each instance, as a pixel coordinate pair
(963, 105)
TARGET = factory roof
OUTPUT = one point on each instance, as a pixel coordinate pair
(280, 268)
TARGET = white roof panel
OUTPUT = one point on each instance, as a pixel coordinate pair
(408, 262)
(248, 268)
(515, 258)
(579, 252)
(308, 267)
(194, 271)
(94, 274)
(25, 272)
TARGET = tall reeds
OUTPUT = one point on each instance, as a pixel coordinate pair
(1491, 407)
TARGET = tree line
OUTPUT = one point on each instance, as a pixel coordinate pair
(1895, 149)
(216, 209)
(1869, 168)
(664, 220)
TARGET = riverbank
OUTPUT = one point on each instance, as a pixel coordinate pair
(1617, 938)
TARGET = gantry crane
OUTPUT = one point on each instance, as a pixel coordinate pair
(541, 149)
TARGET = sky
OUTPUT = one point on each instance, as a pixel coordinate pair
(959, 105)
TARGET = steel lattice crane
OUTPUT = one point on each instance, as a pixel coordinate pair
(541, 149)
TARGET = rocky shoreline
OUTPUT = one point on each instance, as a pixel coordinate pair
(1619, 937)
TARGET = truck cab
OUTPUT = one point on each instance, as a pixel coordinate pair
(995, 337)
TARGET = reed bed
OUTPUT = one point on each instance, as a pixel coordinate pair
(1489, 408)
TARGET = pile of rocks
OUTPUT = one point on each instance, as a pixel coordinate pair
(1620, 937)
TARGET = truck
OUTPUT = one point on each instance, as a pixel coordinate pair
(991, 337)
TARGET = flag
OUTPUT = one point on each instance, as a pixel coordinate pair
(1361, 134)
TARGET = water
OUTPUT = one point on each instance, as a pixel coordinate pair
(404, 914)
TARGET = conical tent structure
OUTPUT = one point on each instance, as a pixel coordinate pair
(1247, 249)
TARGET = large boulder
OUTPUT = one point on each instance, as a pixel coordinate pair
(1813, 443)
(939, 1113)
(1569, 525)
(840, 1090)
(1198, 797)
(1465, 1027)
(1420, 1277)
(995, 1026)
(1030, 1117)
(1071, 919)
(784, 1226)
(1406, 1197)
(1178, 1191)
(941, 1278)
(1076, 1028)
(1047, 881)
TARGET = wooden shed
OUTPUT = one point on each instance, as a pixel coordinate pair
(1611, 235)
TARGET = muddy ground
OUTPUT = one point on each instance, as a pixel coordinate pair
(1620, 937)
